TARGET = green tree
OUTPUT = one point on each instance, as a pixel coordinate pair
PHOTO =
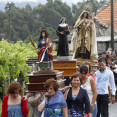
(78, 8)
(13, 59)
(27, 21)
(28, 8)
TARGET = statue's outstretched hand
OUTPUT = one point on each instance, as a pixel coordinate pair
(48, 45)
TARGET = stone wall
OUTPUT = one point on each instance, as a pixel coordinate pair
(103, 46)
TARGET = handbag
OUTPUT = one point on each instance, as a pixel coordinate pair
(86, 115)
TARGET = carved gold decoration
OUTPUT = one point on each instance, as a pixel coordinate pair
(43, 42)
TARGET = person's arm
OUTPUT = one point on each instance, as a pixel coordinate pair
(94, 90)
(89, 114)
(112, 84)
(87, 103)
(95, 78)
(27, 96)
(109, 90)
(67, 31)
(65, 112)
(57, 31)
(38, 98)
(65, 94)
(89, 24)
(42, 105)
(3, 107)
(64, 104)
(48, 45)
(24, 106)
(113, 99)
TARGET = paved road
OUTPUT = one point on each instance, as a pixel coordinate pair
(113, 110)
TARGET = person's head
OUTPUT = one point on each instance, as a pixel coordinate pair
(103, 55)
(14, 89)
(110, 50)
(90, 17)
(89, 66)
(101, 63)
(43, 33)
(63, 20)
(85, 15)
(109, 61)
(51, 86)
(83, 70)
(75, 80)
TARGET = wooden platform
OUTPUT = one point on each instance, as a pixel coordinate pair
(68, 66)
(37, 80)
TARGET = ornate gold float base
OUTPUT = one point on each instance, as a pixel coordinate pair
(92, 62)
(81, 61)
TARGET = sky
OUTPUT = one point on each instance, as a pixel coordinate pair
(3, 2)
(21, 2)
(68, 1)
(43, 1)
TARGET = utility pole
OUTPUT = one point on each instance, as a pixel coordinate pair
(112, 26)
(9, 15)
(9, 31)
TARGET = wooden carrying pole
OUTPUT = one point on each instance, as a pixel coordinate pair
(32, 42)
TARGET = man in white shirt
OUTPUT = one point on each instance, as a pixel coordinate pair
(104, 77)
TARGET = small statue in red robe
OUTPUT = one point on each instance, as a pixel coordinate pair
(45, 48)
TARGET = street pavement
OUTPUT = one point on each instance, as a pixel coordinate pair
(113, 110)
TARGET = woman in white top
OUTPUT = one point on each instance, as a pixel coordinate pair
(89, 84)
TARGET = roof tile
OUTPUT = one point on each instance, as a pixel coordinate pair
(105, 15)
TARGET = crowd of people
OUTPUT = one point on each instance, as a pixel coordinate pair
(86, 96)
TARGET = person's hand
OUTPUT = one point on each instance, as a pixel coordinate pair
(93, 73)
(48, 45)
(46, 94)
(65, 89)
(61, 33)
(109, 100)
(67, 30)
(113, 99)
(92, 107)
(42, 93)
(25, 97)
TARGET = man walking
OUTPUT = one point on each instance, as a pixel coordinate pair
(104, 78)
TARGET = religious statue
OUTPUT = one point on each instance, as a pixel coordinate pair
(45, 48)
(85, 45)
(62, 32)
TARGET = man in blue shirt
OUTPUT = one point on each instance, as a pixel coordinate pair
(104, 78)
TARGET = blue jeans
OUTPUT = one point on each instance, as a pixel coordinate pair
(94, 113)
